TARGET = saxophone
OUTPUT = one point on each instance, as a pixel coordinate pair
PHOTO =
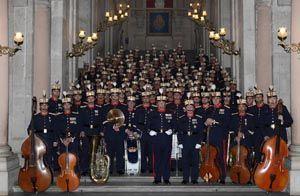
(100, 161)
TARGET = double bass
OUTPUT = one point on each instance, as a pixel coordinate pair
(239, 171)
(34, 176)
(271, 174)
(209, 170)
(67, 180)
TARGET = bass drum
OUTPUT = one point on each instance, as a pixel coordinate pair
(132, 157)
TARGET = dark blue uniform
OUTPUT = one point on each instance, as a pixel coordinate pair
(190, 131)
(218, 134)
(247, 123)
(142, 118)
(130, 123)
(91, 123)
(55, 106)
(44, 127)
(160, 122)
(260, 115)
(272, 118)
(115, 139)
(68, 125)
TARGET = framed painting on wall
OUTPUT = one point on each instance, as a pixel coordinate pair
(159, 23)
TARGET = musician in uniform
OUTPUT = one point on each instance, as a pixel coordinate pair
(190, 130)
(242, 125)
(77, 99)
(142, 115)
(55, 103)
(91, 121)
(219, 119)
(69, 127)
(43, 126)
(285, 119)
(176, 108)
(161, 126)
(260, 112)
(114, 134)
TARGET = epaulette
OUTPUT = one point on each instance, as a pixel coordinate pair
(250, 114)
(83, 106)
(98, 105)
(181, 116)
(139, 106)
(75, 112)
(54, 114)
(198, 107)
(154, 106)
(234, 114)
(36, 114)
(198, 116)
(123, 104)
(251, 106)
(106, 104)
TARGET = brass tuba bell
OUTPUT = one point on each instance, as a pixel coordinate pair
(116, 116)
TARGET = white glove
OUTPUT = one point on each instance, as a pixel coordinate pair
(180, 146)
(152, 133)
(198, 146)
(169, 132)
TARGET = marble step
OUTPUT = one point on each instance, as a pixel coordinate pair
(143, 184)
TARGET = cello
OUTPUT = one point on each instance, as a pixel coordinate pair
(67, 180)
(34, 176)
(209, 170)
(271, 174)
(239, 171)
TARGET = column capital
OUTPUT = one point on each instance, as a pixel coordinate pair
(44, 3)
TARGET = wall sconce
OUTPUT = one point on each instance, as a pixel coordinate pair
(218, 40)
(18, 40)
(79, 49)
(282, 35)
(114, 18)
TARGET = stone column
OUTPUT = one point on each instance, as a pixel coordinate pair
(264, 44)
(59, 42)
(235, 15)
(225, 21)
(295, 93)
(41, 47)
(21, 18)
(8, 161)
(247, 37)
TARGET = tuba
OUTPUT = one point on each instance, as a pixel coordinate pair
(116, 117)
(100, 161)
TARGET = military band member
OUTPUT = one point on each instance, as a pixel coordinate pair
(161, 126)
(114, 134)
(219, 119)
(43, 126)
(273, 118)
(142, 115)
(250, 98)
(69, 126)
(234, 95)
(260, 112)
(55, 104)
(91, 121)
(77, 99)
(242, 124)
(190, 130)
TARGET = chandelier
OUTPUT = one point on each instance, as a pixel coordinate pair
(199, 15)
(18, 40)
(113, 18)
(80, 48)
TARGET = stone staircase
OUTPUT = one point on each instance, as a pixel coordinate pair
(143, 184)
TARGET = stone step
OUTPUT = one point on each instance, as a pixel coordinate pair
(143, 184)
